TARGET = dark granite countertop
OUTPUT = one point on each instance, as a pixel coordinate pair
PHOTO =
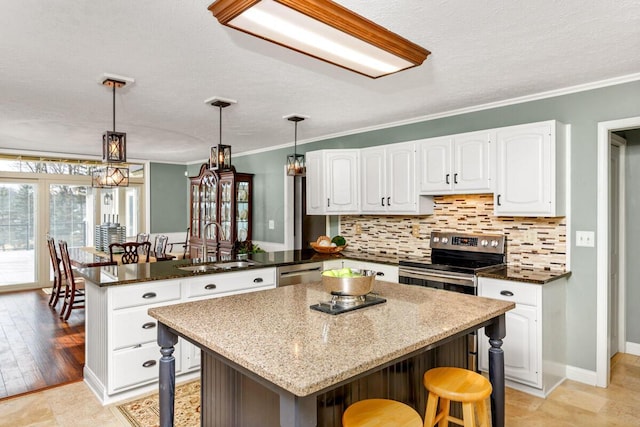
(527, 275)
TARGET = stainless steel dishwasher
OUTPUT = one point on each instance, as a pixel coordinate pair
(299, 273)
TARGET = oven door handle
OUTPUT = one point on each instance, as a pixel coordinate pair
(435, 277)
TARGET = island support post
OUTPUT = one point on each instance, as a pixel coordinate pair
(167, 377)
(496, 330)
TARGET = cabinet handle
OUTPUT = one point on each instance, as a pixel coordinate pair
(149, 363)
(506, 293)
(149, 295)
(382, 201)
(210, 286)
(446, 179)
(498, 200)
(388, 201)
(379, 273)
(328, 204)
(258, 280)
(149, 325)
(455, 178)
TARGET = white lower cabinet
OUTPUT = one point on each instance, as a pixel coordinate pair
(534, 345)
(121, 349)
(388, 273)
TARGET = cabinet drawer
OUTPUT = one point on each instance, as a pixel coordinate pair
(133, 327)
(520, 293)
(144, 294)
(223, 283)
(137, 366)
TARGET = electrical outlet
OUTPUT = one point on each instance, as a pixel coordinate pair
(272, 224)
(415, 230)
(358, 229)
(586, 238)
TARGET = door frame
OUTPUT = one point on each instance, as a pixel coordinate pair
(603, 366)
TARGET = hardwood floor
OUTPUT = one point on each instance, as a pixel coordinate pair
(37, 349)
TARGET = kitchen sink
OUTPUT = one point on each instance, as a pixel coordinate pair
(223, 265)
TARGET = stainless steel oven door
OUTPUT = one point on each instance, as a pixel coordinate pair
(455, 282)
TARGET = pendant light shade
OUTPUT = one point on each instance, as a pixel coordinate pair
(114, 149)
(324, 30)
(220, 154)
(295, 162)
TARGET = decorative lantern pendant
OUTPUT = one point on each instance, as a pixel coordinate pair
(295, 162)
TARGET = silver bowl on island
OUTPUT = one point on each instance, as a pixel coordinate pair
(360, 284)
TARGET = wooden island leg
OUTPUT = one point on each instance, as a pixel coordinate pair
(167, 340)
(496, 331)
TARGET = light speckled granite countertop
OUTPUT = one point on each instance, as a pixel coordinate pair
(527, 275)
(277, 336)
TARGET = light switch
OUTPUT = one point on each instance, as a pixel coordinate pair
(272, 224)
(585, 238)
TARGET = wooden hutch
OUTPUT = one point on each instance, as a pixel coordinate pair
(223, 197)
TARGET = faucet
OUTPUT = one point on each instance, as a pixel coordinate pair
(205, 249)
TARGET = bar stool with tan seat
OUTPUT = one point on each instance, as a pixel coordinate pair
(458, 385)
(380, 413)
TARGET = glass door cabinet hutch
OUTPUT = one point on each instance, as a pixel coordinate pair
(222, 197)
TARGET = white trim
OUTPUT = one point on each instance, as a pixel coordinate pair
(289, 189)
(632, 348)
(567, 201)
(512, 101)
(602, 245)
(581, 375)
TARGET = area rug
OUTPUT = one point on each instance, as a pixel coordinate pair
(145, 412)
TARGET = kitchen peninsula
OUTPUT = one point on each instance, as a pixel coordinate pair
(267, 354)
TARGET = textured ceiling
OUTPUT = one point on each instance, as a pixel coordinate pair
(53, 53)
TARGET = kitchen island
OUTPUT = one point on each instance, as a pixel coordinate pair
(268, 353)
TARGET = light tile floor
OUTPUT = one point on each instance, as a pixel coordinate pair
(571, 404)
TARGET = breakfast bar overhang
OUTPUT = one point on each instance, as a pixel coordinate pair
(270, 343)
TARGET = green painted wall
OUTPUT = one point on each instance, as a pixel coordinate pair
(168, 198)
(581, 110)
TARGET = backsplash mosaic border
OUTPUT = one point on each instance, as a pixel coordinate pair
(531, 242)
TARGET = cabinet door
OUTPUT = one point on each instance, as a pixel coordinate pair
(472, 162)
(435, 157)
(400, 170)
(342, 180)
(316, 200)
(524, 171)
(373, 179)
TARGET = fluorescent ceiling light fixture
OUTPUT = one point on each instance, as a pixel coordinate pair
(324, 30)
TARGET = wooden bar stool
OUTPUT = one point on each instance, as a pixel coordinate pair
(380, 413)
(458, 385)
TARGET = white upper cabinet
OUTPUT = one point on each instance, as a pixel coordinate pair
(332, 182)
(456, 164)
(531, 170)
(388, 180)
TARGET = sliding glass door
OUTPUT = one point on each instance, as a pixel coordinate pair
(18, 231)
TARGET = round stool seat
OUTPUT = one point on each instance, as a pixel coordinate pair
(380, 413)
(457, 384)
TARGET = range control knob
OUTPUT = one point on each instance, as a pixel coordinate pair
(484, 242)
(445, 240)
(494, 243)
(436, 239)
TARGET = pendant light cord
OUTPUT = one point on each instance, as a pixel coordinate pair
(220, 140)
(295, 140)
(114, 106)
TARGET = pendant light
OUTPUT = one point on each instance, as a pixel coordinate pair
(324, 30)
(295, 161)
(220, 155)
(114, 146)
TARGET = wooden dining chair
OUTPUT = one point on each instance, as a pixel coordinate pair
(185, 245)
(57, 288)
(130, 251)
(74, 289)
(160, 248)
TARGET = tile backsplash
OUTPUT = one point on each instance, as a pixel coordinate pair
(531, 242)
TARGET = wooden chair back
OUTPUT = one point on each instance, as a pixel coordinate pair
(73, 296)
(130, 251)
(160, 246)
(56, 289)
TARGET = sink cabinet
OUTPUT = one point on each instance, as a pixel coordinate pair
(121, 349)
(534, 347)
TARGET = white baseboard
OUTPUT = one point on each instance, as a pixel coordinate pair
(270, 246)
(581, 375)
(632, 348)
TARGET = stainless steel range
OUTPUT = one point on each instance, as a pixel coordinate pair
(456, 258)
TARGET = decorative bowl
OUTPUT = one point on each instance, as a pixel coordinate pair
(327, 249)
(350, 286)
